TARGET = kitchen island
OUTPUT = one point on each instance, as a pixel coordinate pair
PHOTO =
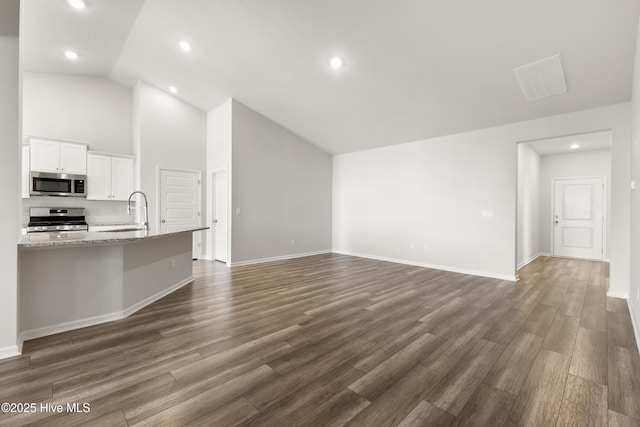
(73, 280)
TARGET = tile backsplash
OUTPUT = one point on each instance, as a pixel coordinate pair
(97, 211)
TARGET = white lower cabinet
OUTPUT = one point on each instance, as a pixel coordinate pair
(109, 177)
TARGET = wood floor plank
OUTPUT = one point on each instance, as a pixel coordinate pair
(589, 360)
(624, 381)
(398, 400)
(281, 343)
(449, 353)
(337, 411)
(302, 409)
(488, 407)
(508, 326)
(231, 414)
(378, 380)
(538, 403)
(620, 330)
(425, 414)
(617, 419)
(584, 404)
(287, 384)
(562, 335)
(201, 404)
(454, 390)
(512, 368)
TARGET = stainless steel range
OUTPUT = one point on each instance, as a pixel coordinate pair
(56, 219)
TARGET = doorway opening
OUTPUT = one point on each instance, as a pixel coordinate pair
(563, 197)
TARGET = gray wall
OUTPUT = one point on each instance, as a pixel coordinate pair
(282, 185)
(634, 291)
(167, 132)
(10, 160)
(78, 108)
(528, 238)
(421, 202)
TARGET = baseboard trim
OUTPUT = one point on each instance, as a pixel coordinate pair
(103, 318)
(153, 298)
(69, 326)
(614, 294)
(10, 351)
(432, 266)
(636, 327)
(277, 258)
(530, 260)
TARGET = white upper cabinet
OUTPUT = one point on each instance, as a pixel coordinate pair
(121, 177)
(73, 158)
(58, 157)
(109, 177)
(98, 177)
(45, 156)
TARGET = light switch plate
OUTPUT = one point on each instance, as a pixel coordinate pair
(487, 214)
(633, 184)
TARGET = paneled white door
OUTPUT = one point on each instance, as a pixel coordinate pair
(578, 218)
(180, 203)
(220, 221)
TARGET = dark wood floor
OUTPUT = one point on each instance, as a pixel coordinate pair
(333, 340)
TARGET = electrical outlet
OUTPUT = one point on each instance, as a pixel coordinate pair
(293, 242)
(412, 245)
(487, 214)
(237, 211)
(173, 263)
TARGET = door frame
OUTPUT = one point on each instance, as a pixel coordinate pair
(213, 213)
(605, 206)
(159, 169)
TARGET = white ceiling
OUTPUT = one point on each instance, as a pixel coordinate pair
(414, 69)
(560, 145)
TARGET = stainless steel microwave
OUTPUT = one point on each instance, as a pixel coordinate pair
(58, 184)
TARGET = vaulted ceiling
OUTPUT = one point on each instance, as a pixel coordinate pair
(414, 69)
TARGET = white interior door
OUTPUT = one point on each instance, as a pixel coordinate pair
(180, 203)
(220, 220)
(578, 218)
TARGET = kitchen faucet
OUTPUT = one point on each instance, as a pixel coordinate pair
(146, 208)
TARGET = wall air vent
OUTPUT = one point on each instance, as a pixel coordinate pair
(542, 78)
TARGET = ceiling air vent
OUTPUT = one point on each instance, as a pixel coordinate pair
(542, 78)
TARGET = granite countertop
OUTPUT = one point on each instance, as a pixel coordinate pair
(86, 238)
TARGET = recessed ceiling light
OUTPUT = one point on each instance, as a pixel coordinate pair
(185, 46)
(336, 62)
(575, 146)
(77, 4)
(173, 89)
(71, 55)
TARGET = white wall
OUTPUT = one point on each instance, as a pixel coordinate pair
(169, 133)
(577, 164)
(528, 237)
(634, 294)
(78, 108)
(218, 158)
(10, 189)
(432, 192)
(282, 186)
